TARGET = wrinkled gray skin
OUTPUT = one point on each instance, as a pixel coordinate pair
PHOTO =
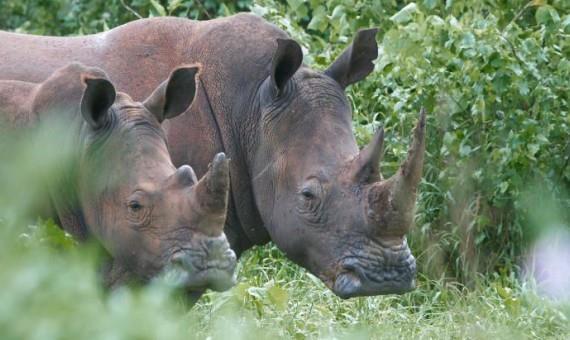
(297, 176)
(122, 186)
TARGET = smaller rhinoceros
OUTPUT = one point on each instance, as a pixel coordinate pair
(121, 185)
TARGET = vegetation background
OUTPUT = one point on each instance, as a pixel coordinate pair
(493, 74)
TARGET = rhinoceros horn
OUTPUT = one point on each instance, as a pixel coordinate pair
(210, 196)
(366, 166)
(391, 202)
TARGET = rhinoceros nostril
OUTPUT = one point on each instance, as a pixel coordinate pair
(219, 255)
(347, 284)
(180, 261)
(215, 246)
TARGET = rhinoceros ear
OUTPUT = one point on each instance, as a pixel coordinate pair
(355, 63)
(174, 96)
(286, 61)
(97, 98)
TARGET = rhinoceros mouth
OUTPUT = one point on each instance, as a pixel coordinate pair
(198, 279)
(212, 267)
(358, 278)
(213, 278)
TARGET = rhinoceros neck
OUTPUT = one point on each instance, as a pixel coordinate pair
(239, 115)
(244, 226)
(63, 185)
(235, 54)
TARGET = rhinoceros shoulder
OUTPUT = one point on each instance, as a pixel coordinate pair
(15, 103)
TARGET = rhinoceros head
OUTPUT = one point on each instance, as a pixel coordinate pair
(148, 214)
(323, 201)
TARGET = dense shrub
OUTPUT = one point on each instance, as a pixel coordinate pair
(72, 17)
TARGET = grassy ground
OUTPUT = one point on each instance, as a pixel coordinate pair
(50, 289)
(275, 296)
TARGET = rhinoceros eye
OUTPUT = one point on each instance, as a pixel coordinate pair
(139, 209)
(134, 206)
(310, 198)
(307, 193)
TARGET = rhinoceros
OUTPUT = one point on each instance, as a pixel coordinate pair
(121, 185)
(297, 175)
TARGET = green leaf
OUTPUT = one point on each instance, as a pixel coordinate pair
(467, 40)
(318, 22)
(405, 14)
(566, 24)
(298, 6)
(173, 5)
(255, 292)
(430, 4)
(547, 16)
(160, 11)
(259, 10)
(480, 238)
(501, 82)
(523, 88)
(503, 187)
(448, 138)
(464, 150)
(533, 149)
(295, 4)
(338, 12)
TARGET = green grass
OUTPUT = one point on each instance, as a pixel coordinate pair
(50, 289)
(500, 307)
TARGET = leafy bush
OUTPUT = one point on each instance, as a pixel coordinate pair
(72, 17)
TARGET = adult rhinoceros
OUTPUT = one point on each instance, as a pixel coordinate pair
(297, 176)
(120, 184)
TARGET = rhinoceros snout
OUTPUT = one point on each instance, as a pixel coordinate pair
(392, 273)
(212, 266)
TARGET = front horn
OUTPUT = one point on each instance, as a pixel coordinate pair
(210, 194)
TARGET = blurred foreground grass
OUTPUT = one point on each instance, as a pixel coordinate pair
(49, 289)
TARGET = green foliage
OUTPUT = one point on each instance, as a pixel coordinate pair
(55, 293)
(50, 294)
(72, 17)
(498, 306)
(47, 233)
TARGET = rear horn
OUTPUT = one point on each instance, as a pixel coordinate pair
(391, 202)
